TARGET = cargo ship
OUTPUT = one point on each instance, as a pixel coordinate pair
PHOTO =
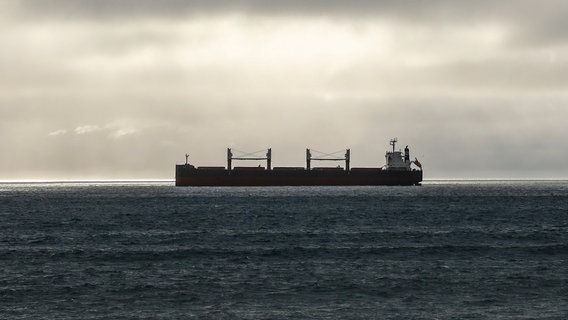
(398, 170)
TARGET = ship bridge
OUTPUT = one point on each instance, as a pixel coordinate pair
(397, 160)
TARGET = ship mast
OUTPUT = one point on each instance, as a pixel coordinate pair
(393, 143)
(230, 158)
(326, 157)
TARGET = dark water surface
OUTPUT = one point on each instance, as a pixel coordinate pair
(446, 250)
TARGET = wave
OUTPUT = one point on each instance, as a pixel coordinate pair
(291, 252)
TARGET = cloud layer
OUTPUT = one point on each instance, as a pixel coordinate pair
(122, 89)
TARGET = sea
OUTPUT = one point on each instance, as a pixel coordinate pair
(448, 249)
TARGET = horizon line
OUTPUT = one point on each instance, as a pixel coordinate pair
(24, 181)
(7, 181)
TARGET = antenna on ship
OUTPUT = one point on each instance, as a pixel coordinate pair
(393, 143)
(186, 159)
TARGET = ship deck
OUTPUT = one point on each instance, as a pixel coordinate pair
(187, 175)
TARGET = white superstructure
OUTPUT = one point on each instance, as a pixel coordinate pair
(397, 160)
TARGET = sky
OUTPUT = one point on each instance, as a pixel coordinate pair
(123, 89)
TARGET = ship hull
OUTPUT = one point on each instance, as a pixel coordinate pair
(191, 176)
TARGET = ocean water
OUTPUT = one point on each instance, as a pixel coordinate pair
(445, 250)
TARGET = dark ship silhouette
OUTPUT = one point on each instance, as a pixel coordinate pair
(396, 171)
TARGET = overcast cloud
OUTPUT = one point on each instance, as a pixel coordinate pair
(123, 89)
